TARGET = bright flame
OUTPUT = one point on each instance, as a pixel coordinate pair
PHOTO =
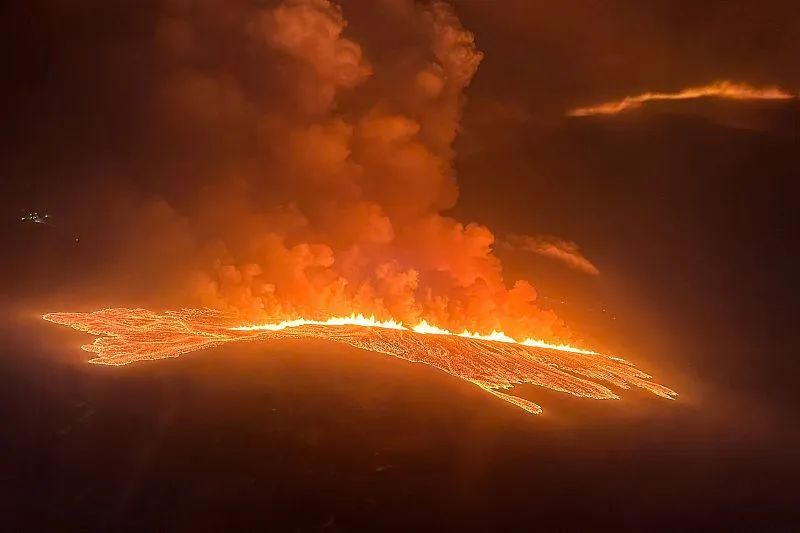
(423, 327)
(720, 89)
(493, 362)
(351, 320)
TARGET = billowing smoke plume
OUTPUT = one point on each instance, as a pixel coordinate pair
(315, 170)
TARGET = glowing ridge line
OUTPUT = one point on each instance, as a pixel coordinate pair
(721, 89)
(423, 327)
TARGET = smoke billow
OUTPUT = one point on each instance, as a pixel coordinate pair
(304, 172)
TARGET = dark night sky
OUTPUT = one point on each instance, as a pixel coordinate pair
(688, 210)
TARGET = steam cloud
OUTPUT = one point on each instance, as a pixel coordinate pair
(315, 169)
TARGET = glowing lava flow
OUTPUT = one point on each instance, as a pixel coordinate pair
(423, 327)
(493, 362)
(720, 89)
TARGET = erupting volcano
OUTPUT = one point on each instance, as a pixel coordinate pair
(316, 176)
(399, 265)
(494, 362)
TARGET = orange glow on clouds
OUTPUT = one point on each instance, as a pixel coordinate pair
(493, 362)
(721, 89)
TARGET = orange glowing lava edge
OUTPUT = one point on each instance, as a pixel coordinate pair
(493, 362)
(721, 89)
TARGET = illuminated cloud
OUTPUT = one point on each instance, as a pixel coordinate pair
(566, 252)
(323, 170)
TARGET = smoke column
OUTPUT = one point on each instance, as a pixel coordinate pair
(308, 173)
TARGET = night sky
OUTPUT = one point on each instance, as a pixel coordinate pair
(687, 209)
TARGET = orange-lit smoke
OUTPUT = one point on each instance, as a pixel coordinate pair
(323, 166)
(721, 89)
(493, 361)
(566, 252)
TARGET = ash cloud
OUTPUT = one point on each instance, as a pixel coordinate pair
(295, 165)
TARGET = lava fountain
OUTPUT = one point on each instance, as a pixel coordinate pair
(494, 362)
